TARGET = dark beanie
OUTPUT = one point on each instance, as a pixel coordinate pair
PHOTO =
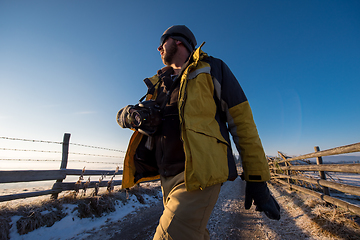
(181, 33)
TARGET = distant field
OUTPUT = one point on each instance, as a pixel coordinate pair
(347, 178)
(345, 158)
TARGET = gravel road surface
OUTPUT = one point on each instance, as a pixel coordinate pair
(229, 219)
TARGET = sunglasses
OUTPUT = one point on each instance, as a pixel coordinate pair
(166, 36)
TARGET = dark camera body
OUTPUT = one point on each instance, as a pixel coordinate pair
(146, 116)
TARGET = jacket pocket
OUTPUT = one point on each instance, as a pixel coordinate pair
(206, 158)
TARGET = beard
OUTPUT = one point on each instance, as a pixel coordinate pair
(170, 53)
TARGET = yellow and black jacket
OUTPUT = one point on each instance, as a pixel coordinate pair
(211, 104)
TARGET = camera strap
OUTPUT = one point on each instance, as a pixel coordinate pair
(168, 71)
(152, 88)
(176, 81)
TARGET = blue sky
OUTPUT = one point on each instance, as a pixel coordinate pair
(69, 66)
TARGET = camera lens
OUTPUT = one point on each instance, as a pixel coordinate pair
(137, 119)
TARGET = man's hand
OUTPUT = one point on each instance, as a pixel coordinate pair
(260, 194)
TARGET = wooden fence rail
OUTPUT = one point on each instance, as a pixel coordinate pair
(347, 168)
(333, 151)
(280, 170)
(286, 173)
(58, 175)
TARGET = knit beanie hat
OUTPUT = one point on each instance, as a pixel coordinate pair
(181, 33)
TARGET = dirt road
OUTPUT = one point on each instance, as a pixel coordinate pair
(229, 219)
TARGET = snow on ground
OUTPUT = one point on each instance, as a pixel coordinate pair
(347, 178)
(72, 226)
(352, 179)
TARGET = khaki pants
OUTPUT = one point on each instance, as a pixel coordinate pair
(185, 213)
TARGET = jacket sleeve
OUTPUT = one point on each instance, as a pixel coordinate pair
(240, 122)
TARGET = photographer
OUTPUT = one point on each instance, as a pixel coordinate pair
(182, 136)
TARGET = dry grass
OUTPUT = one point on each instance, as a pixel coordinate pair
(5, 226)
(37, 218)
(95, 206)
(32, 217)
(333, 221)
(317, 217)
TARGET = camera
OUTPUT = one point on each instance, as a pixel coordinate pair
(146, 116)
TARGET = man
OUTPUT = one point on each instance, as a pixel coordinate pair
(182, 136)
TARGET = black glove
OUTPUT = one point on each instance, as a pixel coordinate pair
(259, 192)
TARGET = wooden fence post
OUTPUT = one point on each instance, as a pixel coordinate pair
(64, 161)
(288, 172)
(321, 173)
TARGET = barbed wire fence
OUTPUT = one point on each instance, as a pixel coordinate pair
(60, 143)
(67, 179)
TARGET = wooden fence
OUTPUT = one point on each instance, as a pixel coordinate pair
(57, 175)
(284, 171)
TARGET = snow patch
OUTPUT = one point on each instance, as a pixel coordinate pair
(72, 226)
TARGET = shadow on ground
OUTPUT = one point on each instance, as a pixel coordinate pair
(231, 221)
(325, 220)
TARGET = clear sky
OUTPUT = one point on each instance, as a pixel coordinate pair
(69, 66)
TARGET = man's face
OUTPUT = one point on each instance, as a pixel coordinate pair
(168, 51)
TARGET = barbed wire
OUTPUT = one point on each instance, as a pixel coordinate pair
(103, 148)
(75, 144)
(51, 160)
(46, 151)
(29, 140)
(33, 160)
(95, 155)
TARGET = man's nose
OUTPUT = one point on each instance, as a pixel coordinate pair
(160, 48)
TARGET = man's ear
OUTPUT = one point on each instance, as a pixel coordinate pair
(178, 42)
